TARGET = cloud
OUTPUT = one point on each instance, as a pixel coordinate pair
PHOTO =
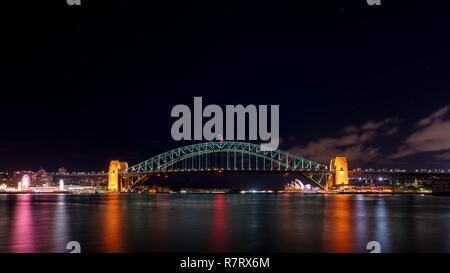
(324, 149)
(350, 129)
(391, 131)
(371, 125)
(287, 141)
(443, 156)
(353, 142)
(433, 135)
(438, 115)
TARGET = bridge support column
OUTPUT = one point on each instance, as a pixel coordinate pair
(115, 181)
(340, 176)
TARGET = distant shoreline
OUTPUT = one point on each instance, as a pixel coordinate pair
(389, 193)
(301, 193)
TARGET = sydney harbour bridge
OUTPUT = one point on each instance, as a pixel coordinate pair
(242, 157)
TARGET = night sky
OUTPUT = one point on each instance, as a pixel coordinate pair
(81, 86)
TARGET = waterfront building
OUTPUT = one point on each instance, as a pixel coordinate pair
(18, 176)
(41, 178)
(62, 170)
(441, 187)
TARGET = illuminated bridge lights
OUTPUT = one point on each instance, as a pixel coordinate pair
(242, 157)
(226, 155)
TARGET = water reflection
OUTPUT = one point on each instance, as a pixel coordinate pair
(112, 224)
(224, 223)
(382, 226)
(159, 224)
(360, 222)
(339, 224)
(220, 226)
(286, 224)
(62, 229)
(23, 231)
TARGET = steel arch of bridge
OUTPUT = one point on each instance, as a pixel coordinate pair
(195, 157)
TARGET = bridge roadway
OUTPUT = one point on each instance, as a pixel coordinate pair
(351, 173)
(221, 171)
(405, 175)
(368, 174)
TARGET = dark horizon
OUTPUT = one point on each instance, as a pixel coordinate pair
(85, 85)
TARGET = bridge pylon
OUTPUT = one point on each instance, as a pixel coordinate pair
(115, 182)
(338, 165)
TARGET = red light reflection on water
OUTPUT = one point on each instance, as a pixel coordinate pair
(220, 226)
(22, 229)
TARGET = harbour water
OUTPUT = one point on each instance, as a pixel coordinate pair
(224, 222)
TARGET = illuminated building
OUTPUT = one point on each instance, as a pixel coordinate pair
(441, 187)
(17, 176)
(4, 177)
(62, 170)
(339, 165)
(42, 178)
(25, 182)
(114, 180)
(298, 186)
(61, 185)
